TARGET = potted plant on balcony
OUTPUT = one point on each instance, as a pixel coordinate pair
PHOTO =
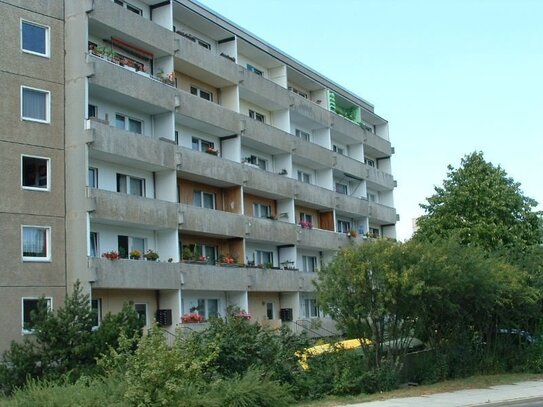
(135, 255)
(306, 224)
(111, 255)
(192, 318)
(227, 260)
(151, 255)
(212, 151)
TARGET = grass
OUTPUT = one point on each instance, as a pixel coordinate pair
(473, 382)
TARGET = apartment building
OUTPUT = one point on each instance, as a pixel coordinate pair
(169, 130)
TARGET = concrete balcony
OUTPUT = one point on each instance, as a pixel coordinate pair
(310, 110)
(263, 92)
(319, 239)
(117, 145)
(128, 26)
(116, 208)
(224, 121)
(212, 222)
(199, 62)
(381, 179)
(268, 230)
(134, 274)
(210, 166)
(263, 134)
(382, 214)
(314, 195)
(376, 146)
(218, 278)
(356, 207)
(125, 87)
(280, 186)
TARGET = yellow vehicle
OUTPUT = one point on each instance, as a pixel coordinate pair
(329, 347)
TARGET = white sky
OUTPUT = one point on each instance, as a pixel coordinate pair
(450, 76)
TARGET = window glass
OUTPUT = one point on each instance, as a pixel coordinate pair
(119, 121)
(92, 111)
(304, 177)
(209, 200)
(302, 134)
(35, 172)
(35, 243)
(93, 177)
(135, 126)
(93, 237)
(136, 186)
(96, 306)
(197, 199)
(141, 309)
(34, 38)
(30, 305)
(35, 104)
(341, 188)
(269, 310)
(212, 308)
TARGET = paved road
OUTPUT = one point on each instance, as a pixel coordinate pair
(523, 394)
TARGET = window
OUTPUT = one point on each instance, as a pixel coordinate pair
(208, 308)
(126, 244)
(254, 70)
(92, 111)
(34, 38)
(93, 244)
(269, 310)
(29, 306)
(143, 315)
(305, 217)
(303, 135)
(96, 307)
(261, 210)
(203, 199)
(36, 243)
(35, 173)
(263, 258)
(209, 252)
(372, 196)
(129, 7)
(343, 226)
(127, 123)
(298, 92)
(257, 161)
(309, 308)
(35, 104)
(304, 177)
(202, 145)
(204, 94)
(257, 116)
(202, 43)
(339, 150)
(127, 184)
(374, 232)
(342, 188)
(93, 177)
(369, 161)
(309, 264)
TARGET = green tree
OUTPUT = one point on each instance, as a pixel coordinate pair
(367, 291)
(65, 342)
(479, 204)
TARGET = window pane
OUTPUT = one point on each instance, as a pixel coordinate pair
(34, 38)
(197, 199)
(96, 306)
(261, 164)
(35, 172)
(193, 90)
(92, 111)
(195, 144)
(29, 305)
(141, 309)
(34, 104)
(134, 126)
(269, 310)
(209, 252)
(212, 308)
(136, 186)
(138, 244)
(34, 242)
(121, 183)
(93, 244)
(119, 121)
(201, 307)
(209, 201)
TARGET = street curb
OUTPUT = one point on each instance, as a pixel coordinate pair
(508, 402)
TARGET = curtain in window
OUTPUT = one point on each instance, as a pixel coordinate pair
(34, 104)
(34, 242)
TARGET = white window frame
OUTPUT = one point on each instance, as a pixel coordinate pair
(302, 175)
(94, 236)
(205, 302)
(47, 257)
(372, 196)
(339, 149)
(258, 161)
(298, 92)
(370, 162)
(259, 117)
(341, 188)
(48, 184)
(305, 263)
(199, 93)
(258, 257)
(306, 217)
(202, 193)
(310, 305)
(259, 208)
(146, 312)
(128, 178)
(98, 311)
(344, 222)
(49, 304)
(94, 171)
(47, 39)
(127, 123)
(47, 105)
(200, 143)
(304, 135)
(203, 249)
(129, 7)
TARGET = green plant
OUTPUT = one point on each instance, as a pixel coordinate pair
(151, 255)
(135, 255)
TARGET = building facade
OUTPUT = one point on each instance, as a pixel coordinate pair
(163, 128)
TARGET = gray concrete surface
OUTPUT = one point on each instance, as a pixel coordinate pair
(529, 393)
